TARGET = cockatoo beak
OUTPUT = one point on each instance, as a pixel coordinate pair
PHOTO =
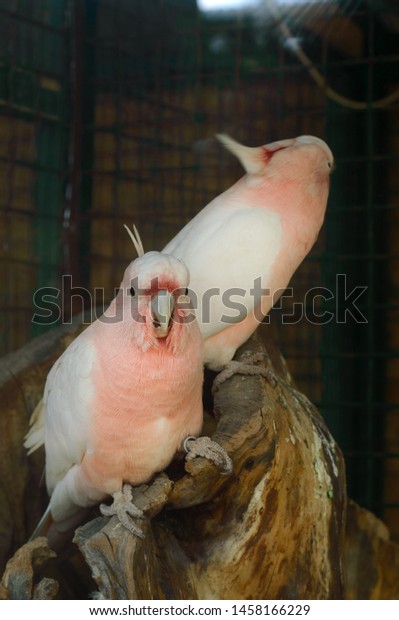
(162, 306)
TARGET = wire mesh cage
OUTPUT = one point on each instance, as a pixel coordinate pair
(34, 136)
(108, 112)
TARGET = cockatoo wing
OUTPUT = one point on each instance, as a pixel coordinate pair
(251, 239)
(67, 397)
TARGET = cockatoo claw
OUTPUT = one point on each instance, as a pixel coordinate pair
(244, 368)
(123, 508)
(209, 449)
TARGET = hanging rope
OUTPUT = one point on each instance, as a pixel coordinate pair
(293, 44)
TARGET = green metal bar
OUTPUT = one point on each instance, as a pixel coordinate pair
(89, 69)
(51, 173)
(370, 490)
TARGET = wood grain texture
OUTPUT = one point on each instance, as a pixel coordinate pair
(22, 491)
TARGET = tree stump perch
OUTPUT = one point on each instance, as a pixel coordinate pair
(275, 529)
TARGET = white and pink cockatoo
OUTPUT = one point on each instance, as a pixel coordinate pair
(123, 397)
(245, 245)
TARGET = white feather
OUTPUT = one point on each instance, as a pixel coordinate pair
(136, 239)
(67, 402)
(250, 157)
(242, 231)
(35, 436)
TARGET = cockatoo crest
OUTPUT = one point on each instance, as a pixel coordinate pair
(135, 237)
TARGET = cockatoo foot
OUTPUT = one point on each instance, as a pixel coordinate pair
(209, 449)
(125, 510)
(244, 368)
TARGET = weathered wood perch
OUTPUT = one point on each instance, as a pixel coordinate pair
(277, 528)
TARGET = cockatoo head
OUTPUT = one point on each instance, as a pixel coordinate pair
(305, 157)
(152, 304)
(291, 177)
(255, 160)
(155, 288)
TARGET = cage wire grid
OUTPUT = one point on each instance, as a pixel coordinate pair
(107, 116)
(33, 143)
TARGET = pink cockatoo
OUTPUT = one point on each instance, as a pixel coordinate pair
(124, 396)
(244, 246)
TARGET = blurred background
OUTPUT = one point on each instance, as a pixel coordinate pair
(108, 110)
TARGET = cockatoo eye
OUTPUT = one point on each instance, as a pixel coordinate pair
(132, 291)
